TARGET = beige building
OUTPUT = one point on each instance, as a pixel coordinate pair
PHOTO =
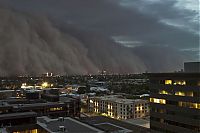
(118, 108)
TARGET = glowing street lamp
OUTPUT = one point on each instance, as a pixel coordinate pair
(44, 85)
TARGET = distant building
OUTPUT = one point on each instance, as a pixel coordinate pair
(97, 86)
(98, 89)
(175, 101)
(118, 108)
(32, 94)
(68, 107)
(50, 95)
(15, 119)
(4, 94)
(135, 81)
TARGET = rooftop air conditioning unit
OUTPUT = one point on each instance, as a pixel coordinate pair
(61, 119)
(62, 128)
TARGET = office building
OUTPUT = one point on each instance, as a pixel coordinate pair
(175, 102)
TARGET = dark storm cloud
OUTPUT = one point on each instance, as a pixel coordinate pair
(77, 38)
(98, 15)
(142, 20)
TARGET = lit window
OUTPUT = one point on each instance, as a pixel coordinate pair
(28, 131)
(195, 105)
(179, 82)
(137, 108)
(189, 105)
(168, 82)
(163, 92)
(179, 93)
(162, 101)
(155, 100)
(56, 109)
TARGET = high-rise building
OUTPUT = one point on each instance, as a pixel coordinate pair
(175, 102)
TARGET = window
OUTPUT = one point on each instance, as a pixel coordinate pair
(189, 104)
(163, 92)
(179, 82)
(56, 109)
(179, 93)
(168, 82)
(155, 100)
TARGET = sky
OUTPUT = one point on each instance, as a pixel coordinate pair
(131, 23)
(181, 15)
(173, 23)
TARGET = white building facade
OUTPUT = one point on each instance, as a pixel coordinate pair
(118, 108)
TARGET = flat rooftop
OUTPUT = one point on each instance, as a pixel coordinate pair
(195, 75)
(22, 103)
(37, 105)
(17, 115)
(140, 122)
(28, 128)
(111, 125)
(71, 125)
(4, 105)
(2, 91)
(116, 99)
